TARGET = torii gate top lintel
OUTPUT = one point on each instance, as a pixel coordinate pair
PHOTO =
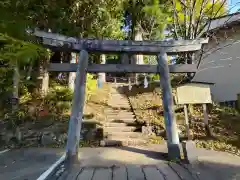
(171, 47)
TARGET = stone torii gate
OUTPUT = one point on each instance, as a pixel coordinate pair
(159, 48)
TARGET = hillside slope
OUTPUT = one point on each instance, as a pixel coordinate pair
(224, 122)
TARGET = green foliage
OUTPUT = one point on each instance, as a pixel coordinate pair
(59, 93)
(101, 19)
(91, 86)
(145, 16)
(59, 99)
(17, 15)
(15, 52)
(155, 77)
(155, 20)
(12, 50)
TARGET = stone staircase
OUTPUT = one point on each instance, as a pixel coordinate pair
(120, 127)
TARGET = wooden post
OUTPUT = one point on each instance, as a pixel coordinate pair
(102, 75)
(72, 75)
(205, 120)
(186, 121)
(170, 121)
(191, 110)
(129, 84)
(115, 82)
(75, 122)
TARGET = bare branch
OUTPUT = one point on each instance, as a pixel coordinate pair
(185, 22)
(175, 16)
(183, 2)
(200, 15)
(201, 32)
(191, 18)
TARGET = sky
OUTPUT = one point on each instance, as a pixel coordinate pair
(234, 5)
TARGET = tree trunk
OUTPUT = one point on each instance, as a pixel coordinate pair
(45, 82)
(72, 75)
(44, 76)
(30, 68)
(15, 101)
(16, 79)
(102, 76)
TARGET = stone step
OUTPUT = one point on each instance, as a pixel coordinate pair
(118, 112)
(118, 97)
(113, 135)
(121, 98)
(121, 120)
(121, 117)
(112, 124)
(118, 94)
(119, 103)
(123, 142)
(119, 129)
(116, 109)
(130, 115)
(121, 107)
(116, 106)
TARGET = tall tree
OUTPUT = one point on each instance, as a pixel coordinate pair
(100, 19)
(190, 17)
(144, 20)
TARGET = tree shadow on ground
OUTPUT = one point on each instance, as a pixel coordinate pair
(27, 163)
(149, 153)
(204, 169)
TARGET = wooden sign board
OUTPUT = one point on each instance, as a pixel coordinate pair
(194, 93)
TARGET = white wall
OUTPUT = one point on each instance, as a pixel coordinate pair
(222, 66)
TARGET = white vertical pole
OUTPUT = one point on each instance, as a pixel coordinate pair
(72, 75)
